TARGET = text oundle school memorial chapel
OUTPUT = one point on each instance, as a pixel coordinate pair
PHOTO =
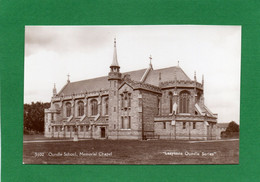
(142, 104)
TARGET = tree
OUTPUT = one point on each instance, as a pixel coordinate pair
(34, 116)
(232, 127)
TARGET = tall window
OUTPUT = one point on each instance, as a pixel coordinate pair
(129, 100)
(170, 100)
(122, 100)
(106, 106)
(122, 122)
(68, 109)
(158, 106)
(80, 108)
(125, 122)
(129, 122)
(125, 100)
(184, 102)
(94, 107)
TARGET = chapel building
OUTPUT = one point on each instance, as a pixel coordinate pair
(142, 104)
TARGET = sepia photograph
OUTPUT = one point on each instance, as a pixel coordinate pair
(157, 94)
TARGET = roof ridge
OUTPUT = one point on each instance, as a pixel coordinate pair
(106, 76)
(167, 68)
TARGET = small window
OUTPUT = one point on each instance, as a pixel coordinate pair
(164, 125)
(52, 116)
(114, 109)
(194, 125)
(114, 93)
(114, 126)
(184, 125)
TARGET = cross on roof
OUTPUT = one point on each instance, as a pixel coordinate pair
(150, 59)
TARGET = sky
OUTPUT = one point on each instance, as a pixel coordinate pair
(84, 52)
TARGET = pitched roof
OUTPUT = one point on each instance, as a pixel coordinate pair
(166, 74)
(96, 84)
(99, 83)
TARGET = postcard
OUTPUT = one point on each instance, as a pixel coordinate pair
(161, 94)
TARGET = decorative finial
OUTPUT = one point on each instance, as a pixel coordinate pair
(54, 91)
(115, 62)
(114, 42)
(178, 63)
(202, 80)
(150, 59)
(195, 78)
(68, 78)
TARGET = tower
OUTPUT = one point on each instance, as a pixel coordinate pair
(114, 74)
(114, 77)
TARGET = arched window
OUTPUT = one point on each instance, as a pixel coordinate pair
(106, 106)
(184, 102)
(80, 108)
(170, 101)
(68, 109)
(94, 107)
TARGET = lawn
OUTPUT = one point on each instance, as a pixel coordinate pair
(131, 152)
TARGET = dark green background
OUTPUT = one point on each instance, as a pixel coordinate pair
(14, 15)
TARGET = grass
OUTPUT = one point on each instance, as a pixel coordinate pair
(132, 152)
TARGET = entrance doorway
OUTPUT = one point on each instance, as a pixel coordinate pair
(103, 132)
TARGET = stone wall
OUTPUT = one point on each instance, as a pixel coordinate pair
(150, 108)
(179, 132)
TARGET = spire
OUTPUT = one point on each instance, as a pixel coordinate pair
(195, 78)
(178, 63)
(54, 91)
(115, 62)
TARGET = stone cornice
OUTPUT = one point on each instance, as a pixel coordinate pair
(184, 118)
(181, 83)
(80, 95)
